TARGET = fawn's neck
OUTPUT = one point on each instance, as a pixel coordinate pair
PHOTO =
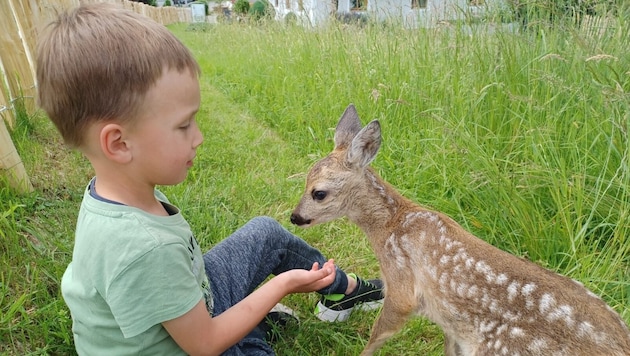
(378, 205)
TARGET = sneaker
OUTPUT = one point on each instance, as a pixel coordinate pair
(278, 319)
(337, 307)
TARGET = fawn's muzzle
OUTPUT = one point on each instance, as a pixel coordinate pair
(299, 220)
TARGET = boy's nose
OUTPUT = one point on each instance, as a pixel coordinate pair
(198, 140)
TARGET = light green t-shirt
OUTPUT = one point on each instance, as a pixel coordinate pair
(130, 272)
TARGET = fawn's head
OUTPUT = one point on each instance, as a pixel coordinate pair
(332, 183)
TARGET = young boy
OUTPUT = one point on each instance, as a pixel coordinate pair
(124, 91)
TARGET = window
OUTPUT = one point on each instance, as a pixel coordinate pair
(358, 4)
(419, 4)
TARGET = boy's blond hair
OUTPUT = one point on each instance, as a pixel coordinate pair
(98, 61)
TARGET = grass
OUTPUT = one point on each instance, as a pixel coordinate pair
(521, 137)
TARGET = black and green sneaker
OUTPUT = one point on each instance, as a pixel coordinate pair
(337, 307)
(278, 320)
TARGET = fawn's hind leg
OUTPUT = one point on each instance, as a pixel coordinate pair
(390, 320)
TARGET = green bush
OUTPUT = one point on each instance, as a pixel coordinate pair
(290, 18)
(259, 10)
(241, 7)
(536, 13)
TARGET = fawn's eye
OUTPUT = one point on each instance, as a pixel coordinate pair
(319, 194)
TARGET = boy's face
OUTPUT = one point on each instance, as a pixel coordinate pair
(166, 136)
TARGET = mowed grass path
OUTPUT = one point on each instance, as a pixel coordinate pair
(243, 169)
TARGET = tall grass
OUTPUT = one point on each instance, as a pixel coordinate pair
(519, 136)
(36, 234)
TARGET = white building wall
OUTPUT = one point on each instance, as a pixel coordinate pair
(316, 12)
(343, 6)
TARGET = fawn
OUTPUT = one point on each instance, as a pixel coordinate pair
(487, 301)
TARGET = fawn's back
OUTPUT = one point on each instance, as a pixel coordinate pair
(487, 301)
(490, 302)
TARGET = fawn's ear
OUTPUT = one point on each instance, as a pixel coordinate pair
(365, 145)
(348, 127)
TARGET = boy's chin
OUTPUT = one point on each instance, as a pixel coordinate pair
(174, 181)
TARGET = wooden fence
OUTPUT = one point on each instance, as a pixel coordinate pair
(20, 22)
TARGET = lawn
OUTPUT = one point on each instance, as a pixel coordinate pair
(521, 137)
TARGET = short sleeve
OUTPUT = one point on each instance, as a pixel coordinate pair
(158, 286)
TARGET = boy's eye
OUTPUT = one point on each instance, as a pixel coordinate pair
(186, 125)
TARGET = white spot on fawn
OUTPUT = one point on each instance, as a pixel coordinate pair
(508, 315)
(516, 332)
(462, 288)
(443, 281)
(513, 291)
(410, 219)
(537, 346)
(527, 291)
(501, 329)
(562, 312)
(470, 262)
(501, 279)
(487, 326)
(547, 302)
(460, 255)
(585, 329)
(483, 268)
(392, 246)
(444, 260)
(431, 271)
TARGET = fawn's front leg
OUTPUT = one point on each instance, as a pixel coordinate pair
(391, 319)
(451, 346)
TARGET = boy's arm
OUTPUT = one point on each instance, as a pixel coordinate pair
(199, 334)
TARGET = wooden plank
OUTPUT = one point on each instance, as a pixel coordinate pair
(11, 166)
(15, 55)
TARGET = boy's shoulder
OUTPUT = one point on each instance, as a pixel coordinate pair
(116, 226)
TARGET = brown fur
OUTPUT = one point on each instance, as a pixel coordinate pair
(487, 301)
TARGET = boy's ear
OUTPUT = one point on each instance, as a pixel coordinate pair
(113, 144)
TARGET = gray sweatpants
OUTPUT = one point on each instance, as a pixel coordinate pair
(242, 261)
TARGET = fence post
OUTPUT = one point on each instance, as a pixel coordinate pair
(11, 166)
(16, 69)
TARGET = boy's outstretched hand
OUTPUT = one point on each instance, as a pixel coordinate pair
(304, 281)
(198, 333)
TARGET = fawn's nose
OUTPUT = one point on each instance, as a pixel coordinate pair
(299, 220)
